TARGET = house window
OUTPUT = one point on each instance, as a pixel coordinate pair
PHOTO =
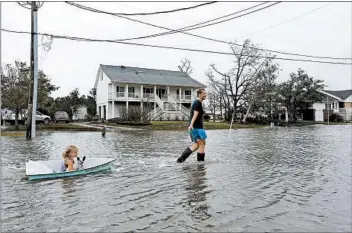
(148, 90)
(120, 89)
(341, 104)
(188, 94)
(131, 90)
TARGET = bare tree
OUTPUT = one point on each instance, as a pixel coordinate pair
(262, 85)
(234, 85)
(214, 100)
(186, 66)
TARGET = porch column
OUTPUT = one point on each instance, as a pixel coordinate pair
(154, 97)
(113, 109)
(127, 105)
(107, 111)
(142, 91)
(180, 96)
(126, 91)
(154, 91)
(142, 98)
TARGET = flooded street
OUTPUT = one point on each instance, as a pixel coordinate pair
(286, 179)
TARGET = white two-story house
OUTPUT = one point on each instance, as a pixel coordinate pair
(167, 94)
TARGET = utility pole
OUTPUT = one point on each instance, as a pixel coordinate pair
(328, 109)
(271, 110)
(32, 100)
(271, 113)
(0, 66)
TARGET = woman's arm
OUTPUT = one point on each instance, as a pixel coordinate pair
(195, 115)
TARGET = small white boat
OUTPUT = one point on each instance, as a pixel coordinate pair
(50, 169)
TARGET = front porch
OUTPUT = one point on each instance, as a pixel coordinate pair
(149, 93)
(155, 110)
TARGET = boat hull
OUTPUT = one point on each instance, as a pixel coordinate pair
(100, 168)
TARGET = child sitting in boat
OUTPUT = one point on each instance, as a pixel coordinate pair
(69, 155)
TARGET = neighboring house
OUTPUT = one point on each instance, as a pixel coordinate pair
(211, 115)
(166, 94)
(339, 102)
(80, 113)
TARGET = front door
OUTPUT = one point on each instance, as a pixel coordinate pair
(160, 92)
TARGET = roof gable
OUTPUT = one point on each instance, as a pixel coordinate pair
(149, 76)
(343, 94)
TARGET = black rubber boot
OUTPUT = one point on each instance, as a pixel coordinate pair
(200, 156)
(184, 155)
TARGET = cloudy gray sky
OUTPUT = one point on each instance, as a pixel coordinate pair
(70, 64)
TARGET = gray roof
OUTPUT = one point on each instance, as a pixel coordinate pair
(344, 94)
(149, 76)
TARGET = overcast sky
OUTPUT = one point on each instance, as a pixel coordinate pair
(70, 64)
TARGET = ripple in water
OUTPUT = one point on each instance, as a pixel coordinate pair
(288, 179)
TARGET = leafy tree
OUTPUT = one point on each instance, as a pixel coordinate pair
(298, 91)
(15, 87)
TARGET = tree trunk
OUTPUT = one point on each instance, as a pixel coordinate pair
(16, 119)
(214, 111)
(234, 113)
(245, 116)
(220, 108)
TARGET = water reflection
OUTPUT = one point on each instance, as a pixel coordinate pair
(68, 187)
(286, 179)
(196, 191)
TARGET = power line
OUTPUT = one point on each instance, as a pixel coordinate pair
(203, 37)
(297, 17)
(169, 47)
(157, 26)
(191, 27)
(165, 12)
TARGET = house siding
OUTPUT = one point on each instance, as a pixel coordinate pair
(107, 96)
(103, 94)
(319, 111)
(349, 99)
(81, 113)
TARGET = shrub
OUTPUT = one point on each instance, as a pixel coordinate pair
(335, 117)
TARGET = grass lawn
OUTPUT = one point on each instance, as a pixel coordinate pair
(334, 123)
(183, 125)
(11, 131)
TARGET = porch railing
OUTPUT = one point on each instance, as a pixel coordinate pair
(148, 95)
(116, 95)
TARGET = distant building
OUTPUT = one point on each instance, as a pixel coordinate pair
(339, 102)
(80, 113)
(168, 94)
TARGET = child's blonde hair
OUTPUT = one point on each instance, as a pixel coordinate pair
(66, 153)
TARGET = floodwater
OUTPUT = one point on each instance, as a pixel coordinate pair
(285, 179)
